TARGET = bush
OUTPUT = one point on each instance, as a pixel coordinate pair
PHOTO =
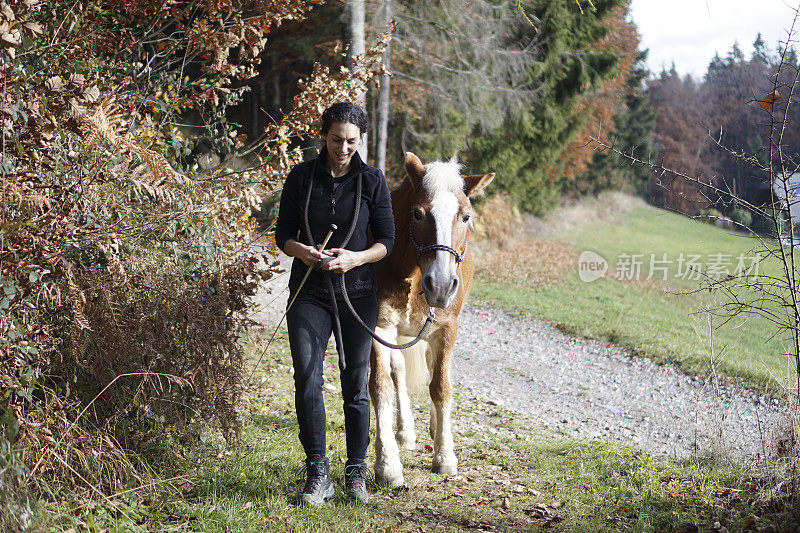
(741, 217)
(713, 217)
(123, 278)
(125, 271)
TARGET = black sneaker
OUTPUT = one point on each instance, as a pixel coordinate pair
(356, 475)
(319, 486)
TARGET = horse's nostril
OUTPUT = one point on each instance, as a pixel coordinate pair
(427, 283)
(454, 286)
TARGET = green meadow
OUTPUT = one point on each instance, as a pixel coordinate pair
(651, 299)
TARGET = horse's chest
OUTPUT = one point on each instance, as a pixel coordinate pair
(404, 317)
(404, 309)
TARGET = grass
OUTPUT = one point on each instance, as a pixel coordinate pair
(657, 318)
(509, 479)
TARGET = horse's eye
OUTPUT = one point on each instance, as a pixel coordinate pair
(417, 214)
(465, 217)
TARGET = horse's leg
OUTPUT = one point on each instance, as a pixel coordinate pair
(444, 457)
(406, 437)
(388, 468)
(433, 420)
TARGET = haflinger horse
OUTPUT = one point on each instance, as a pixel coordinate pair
(429, 272)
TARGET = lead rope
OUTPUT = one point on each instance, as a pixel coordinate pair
(422, 333)
(337, 330)
(337, 325)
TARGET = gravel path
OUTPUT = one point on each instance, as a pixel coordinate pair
(586, 389)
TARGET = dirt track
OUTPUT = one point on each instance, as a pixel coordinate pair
(586, 389)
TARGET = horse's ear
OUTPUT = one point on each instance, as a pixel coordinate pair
(474, 185)
(415, 169)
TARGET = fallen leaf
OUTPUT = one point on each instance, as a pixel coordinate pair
(54, 84)
(34, 29)
(76, 110)
(538, 510)
(91, 94)
(11, 39)
(7, 13)
(76, 80)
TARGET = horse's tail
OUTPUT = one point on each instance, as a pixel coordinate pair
(416, 366)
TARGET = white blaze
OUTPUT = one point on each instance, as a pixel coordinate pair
(443, 181)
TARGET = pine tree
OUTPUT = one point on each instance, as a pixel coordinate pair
(525, 151)
(633, 130)
(459, 67)
(760, 50)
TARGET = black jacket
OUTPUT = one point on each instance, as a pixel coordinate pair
(328, 206)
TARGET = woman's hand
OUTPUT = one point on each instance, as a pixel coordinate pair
(307, 254)
(344, 260)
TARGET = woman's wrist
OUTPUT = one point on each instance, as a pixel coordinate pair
(374, 253)
(294, 248)
(361, 258)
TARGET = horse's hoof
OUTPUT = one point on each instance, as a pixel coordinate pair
(445, 470)
(391, 476)
(407, 440)
(446, 467)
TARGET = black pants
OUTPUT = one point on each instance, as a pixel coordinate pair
(310, 324)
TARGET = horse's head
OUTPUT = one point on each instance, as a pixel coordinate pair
(440, 218)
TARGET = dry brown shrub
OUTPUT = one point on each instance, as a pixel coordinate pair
(58, 449)
(125, 278)
(508, 253)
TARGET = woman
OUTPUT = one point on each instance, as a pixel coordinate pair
(316, 195)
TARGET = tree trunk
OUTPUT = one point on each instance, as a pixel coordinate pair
(356, 20)
(383, 99)
(275, 103)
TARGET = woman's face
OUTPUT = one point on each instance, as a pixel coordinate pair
(341, 141)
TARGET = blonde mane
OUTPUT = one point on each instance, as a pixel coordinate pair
(443, 177)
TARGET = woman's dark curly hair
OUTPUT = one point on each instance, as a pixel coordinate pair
(344, 112)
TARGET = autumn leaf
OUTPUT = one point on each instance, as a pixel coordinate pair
(33, 29)
(76, 110)
(771, 99)
(77, 80)
(6, 11)
(11, 38)
(54, 84)
(91, 94)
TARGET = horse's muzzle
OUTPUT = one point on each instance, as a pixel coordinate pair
(439, 290)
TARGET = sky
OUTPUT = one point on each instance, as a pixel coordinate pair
(689, 32)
